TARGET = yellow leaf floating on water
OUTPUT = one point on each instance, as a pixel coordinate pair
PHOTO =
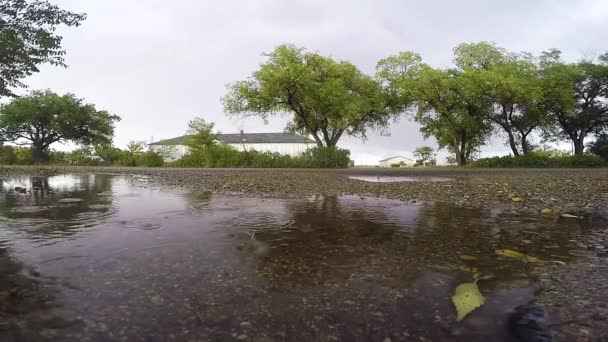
(516, 255)
(467, 298)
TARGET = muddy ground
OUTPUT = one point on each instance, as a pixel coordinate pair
(574, 295)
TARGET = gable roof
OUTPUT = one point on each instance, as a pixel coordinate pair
(250, 138)
(396, 157)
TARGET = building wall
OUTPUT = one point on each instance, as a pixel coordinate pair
(174, 152)
(396, 160)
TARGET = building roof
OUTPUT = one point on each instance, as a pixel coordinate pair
(249, 138)
(396, 157)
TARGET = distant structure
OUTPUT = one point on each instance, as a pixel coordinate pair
(282, 143)
(396, 160)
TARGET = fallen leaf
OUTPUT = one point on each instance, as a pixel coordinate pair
(568, 216)
(468, 257)
(516, 199)
(549, 211)
(467, 298)
(517, 255)
(559, 262)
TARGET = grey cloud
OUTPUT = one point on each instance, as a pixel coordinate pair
(159, 63)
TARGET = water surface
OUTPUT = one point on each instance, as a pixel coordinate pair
(394, 179)
(99, 257)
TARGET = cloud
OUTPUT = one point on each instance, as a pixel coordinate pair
(158, 64)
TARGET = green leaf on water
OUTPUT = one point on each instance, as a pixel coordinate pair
(517, 255)
(467, 298)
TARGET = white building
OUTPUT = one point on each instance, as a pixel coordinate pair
(282, 143)
(404, 161)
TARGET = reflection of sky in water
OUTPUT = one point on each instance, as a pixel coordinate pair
(394, 179)
(196, 265)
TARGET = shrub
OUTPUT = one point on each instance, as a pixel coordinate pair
(226, 156)
(600, 146)
(396, 165)
(16, 155)
(541, 159)
(324, 157)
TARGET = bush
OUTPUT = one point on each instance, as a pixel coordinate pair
(600, 146)
(16, 155)
(324, 157)
(226, 156)
(541, 160)
(396, 165)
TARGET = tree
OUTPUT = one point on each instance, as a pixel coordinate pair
(28, 38)
(136, 147)
(43, 118)
(452, 105)
(479, 56)
(200, 134)
(324, 98)
(453, 110)
(425, 155)
(576, 98)
(516, 94)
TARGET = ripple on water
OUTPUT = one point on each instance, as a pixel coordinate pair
(141, 224)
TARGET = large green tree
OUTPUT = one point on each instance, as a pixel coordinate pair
(451, 106)
(515, 91)
(453, 110)
(576, 97)
(425, 155)
(28, 38)
(43, 118)
(323, 97)
(511, 84)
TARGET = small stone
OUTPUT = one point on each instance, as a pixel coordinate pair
(245, 324)
(241, 337)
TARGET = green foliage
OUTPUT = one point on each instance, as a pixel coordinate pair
(28, 38)
(600, 146)
(425, 155)
(200, 134)
(43, 118)
(136, 155)
(575, 99)
(324, 157)
(14, 155)
(396, 165)
(324, 97)
(541, 160)
(225, 156)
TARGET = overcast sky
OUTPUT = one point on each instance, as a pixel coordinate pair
(158, 64)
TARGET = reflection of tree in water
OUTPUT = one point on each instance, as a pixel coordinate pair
(327, 241)
(56, 206)
(332, 239)
(445, 233)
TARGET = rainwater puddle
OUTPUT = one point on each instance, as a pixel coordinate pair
(138, 264)
(393, 179)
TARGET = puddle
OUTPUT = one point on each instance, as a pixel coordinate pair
(394, 179)
(137, 264)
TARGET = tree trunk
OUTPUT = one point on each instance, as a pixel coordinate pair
(579, 144)
(513, 144)
(38, 153)
(460, 150)
(524, 144)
